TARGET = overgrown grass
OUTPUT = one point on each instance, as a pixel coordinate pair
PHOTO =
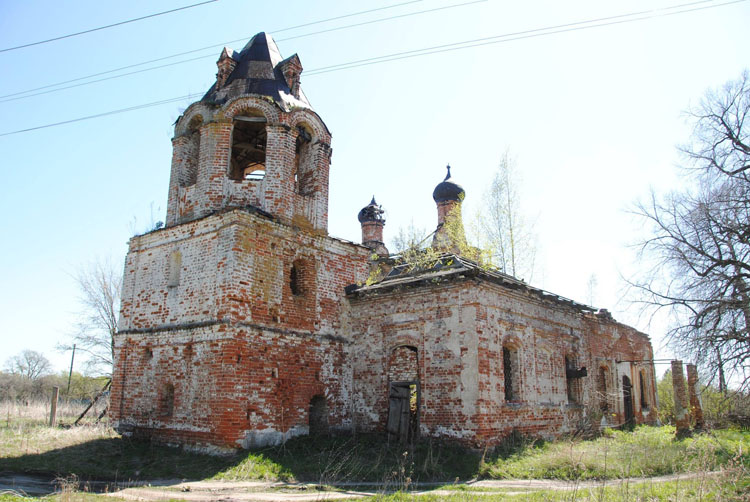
(647, 451)
(13, 413)
(360, 458)
(99, 453)
(722, 489)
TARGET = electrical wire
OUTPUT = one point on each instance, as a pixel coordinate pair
(193, 51)
(408, 14)
(508, 37)
(448, 47)
(16, 97)
(120, 23)
(104, 114)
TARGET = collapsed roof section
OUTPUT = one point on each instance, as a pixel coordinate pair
(450, 267)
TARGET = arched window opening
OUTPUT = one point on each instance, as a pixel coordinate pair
(318, 416)
(295, 279)
(248, 160)
(601, 389)
(167, 400)
(304, 162)
(573, 377)
(642, 385)
(627, 401)
(511, 374)
(175, 267)
(188, 175)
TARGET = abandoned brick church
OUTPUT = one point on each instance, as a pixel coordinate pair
(243, 323)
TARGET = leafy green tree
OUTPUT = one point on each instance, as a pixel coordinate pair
(502, 228)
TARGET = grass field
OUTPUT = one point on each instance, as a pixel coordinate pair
(90, 452)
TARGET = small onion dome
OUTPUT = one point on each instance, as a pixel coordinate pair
(448, 190)
(371, 212)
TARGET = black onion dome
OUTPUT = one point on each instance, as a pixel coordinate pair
(448, 190)
(371, 212)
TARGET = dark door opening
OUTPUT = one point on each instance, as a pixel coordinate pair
(318, 416)
(627, 398)
(403, 411)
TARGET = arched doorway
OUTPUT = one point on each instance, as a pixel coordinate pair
(627, 399)
(403, 394)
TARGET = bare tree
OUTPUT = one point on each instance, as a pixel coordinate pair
(502, 227)
(698, 255)
(411, 237)
(30, 364)
(591, 287)
(99, 286)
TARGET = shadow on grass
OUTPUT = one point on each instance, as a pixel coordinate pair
(100, 463)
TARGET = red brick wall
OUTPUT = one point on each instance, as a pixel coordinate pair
(459, 329)
(245, 355)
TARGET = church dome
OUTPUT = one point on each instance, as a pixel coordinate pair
(371, 212)
(448, 190)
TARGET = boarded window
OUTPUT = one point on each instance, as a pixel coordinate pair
(248, 148)
(573, 382)
(642, 385)
(511, 374)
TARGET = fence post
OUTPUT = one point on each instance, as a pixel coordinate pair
(696, 410)
(681, 410)
(53, 407)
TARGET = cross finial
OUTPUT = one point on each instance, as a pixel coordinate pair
(447, 176)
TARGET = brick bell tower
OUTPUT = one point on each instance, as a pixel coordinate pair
(229, 330)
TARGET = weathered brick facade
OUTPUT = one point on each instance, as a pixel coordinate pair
(243, 323)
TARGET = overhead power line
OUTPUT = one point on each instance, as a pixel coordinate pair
(193, 51)
(104, 114)
(519, 35)
(120, 23)
(611, 20)
(17, 96)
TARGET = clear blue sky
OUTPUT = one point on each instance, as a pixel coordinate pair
(592, 116)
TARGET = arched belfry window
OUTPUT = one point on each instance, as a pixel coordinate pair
(304, 161)
(248, 159)
(188, 175)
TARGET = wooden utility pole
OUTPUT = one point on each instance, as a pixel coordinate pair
(72, 358)
(53, 406)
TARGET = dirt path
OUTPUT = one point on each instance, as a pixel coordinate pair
(228, 491)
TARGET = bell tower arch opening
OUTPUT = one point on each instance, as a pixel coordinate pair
(248, 160)
(188, 175)
(304, 161)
